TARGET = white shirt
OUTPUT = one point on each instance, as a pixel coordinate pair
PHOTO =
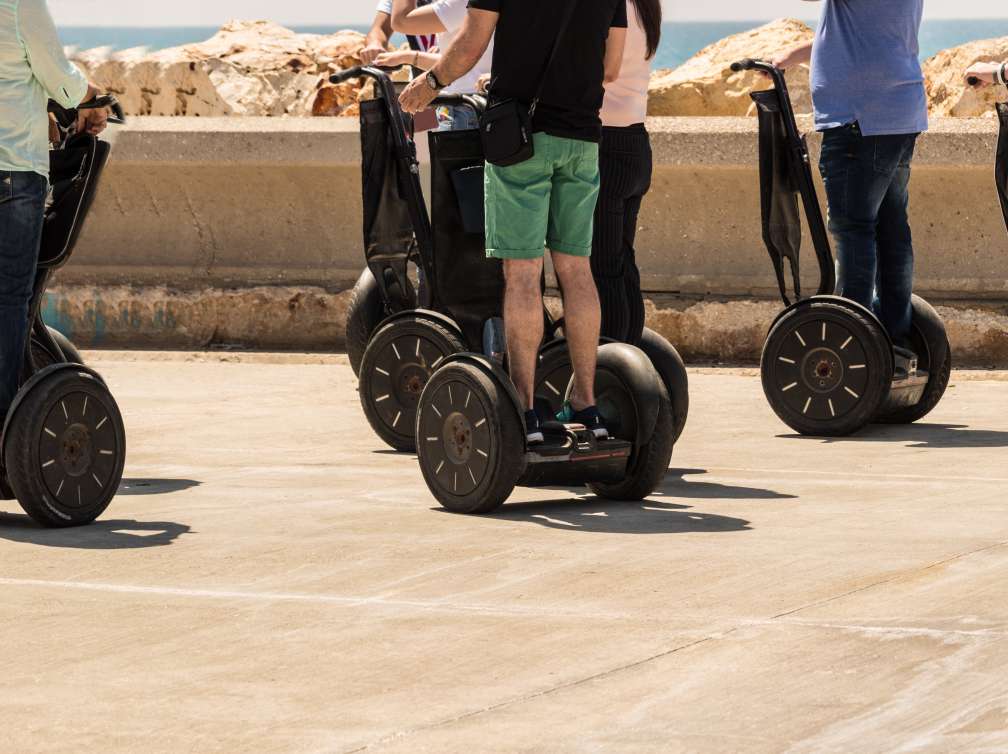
(452, 14)
(33, 70)
(626, 98)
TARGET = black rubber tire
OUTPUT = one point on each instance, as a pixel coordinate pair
(397, 364)
(672, 369)
(931, 344)
(468, 428)
(650, 462)
(553, 373)
(66, 434)
(42, 356)
(847, 393)
(365, 313)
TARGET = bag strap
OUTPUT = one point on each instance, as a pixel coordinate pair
(568, 16)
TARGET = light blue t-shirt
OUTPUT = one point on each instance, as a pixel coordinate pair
(866, 67)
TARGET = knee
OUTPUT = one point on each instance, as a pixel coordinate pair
(522, 276)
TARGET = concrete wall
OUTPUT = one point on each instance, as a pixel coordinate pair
(247, 231)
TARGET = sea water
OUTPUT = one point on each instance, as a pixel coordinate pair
(680, 40)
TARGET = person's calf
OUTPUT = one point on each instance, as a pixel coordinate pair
(523, 322)
(582, 321)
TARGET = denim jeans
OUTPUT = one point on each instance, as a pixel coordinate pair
(456, 118)
(22, 204)
(867, 179)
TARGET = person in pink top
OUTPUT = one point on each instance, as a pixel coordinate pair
(625, 166)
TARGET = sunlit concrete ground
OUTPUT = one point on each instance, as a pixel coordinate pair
(272, 580)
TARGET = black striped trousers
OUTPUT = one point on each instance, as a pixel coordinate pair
(625, 166)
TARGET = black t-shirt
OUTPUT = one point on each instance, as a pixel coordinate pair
(573, 90)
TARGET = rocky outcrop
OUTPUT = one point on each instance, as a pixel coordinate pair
(947, 90)
(247, 68)
(706, 85)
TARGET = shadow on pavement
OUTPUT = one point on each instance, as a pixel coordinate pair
(102, 535)
(922, 436)
(155, 486)
(676, 485)
(608, 517)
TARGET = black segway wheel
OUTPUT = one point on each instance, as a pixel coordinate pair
(470, 439)
(934, 354)
(553, 372)
(42, 356)
(65, 449)
(397, 364)
(672, 369)
(826, 368)
(623, 406)
(365, 313)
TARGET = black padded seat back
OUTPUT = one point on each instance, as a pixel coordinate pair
(75, 171)
(468, 285)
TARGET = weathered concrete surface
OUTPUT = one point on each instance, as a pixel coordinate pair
(241, 202)
(209, 230)
(272, 581)
(312, 318)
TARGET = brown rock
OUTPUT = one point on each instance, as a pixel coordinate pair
(705, 84)
(247, 68)
(947, 91)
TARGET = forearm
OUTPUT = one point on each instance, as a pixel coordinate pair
(407, 18)
(801, 54)
(464, 53)
(380, 32)
(61, 79)
(426, 60)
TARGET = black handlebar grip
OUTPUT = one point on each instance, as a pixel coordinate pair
(973, 81)
(340, 76)
(742, 65)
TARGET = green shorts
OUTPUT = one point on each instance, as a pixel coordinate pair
(547, 201)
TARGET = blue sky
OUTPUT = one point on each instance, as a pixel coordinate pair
(304, 12)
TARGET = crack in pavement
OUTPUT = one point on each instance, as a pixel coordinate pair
(773, 620)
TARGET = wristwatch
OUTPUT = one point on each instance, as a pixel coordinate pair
(432, 82)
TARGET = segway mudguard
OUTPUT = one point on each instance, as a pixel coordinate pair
(641, 380)
(34, 380)
(442, 319)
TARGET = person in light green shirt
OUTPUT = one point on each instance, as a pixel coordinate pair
(33, 69)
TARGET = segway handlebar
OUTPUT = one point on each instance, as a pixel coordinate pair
(751, 64)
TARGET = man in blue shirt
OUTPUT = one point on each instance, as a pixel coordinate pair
(868, 93)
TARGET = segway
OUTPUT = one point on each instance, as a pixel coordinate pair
(63, 441)
(1001, 154)
(829, 367)
(396, 334)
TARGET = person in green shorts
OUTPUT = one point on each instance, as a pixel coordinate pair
(549, 200)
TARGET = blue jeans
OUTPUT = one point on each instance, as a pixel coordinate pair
(22, 204)
(456, 118)
(867, 180)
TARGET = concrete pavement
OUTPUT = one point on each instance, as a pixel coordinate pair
(271, 580)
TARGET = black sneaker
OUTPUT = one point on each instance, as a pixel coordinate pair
(589, 417)
(533, 429)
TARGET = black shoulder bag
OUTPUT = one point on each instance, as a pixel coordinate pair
(506, 126)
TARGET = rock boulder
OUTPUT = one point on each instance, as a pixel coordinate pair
(947, 90)
(705, 84)
(247, 68)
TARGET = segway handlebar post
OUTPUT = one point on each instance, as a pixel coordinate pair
(801, 171)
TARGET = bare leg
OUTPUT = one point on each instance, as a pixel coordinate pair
(523, 322)
(582, 319)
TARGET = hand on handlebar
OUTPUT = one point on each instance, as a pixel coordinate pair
(981, 75)
(370, 53)
(92, 121)
(790, 58)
